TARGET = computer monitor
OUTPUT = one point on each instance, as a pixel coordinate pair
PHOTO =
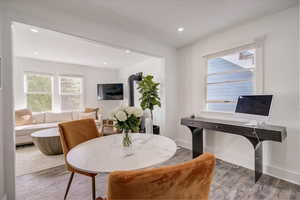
(254, 107)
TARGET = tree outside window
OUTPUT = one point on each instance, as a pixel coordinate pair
(38, 91)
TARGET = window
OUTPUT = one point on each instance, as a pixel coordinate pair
(229, 76)
(71, 97)
(38, 91)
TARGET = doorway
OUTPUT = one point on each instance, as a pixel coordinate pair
(45, 63)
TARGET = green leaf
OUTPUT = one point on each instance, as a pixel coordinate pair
(149, 91)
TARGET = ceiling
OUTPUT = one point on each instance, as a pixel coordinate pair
(38, 43)
(159, 19)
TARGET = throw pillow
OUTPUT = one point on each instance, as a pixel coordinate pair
(23, 117)
(58, 117)
(89, 110)
(90, 115)
(38, 118)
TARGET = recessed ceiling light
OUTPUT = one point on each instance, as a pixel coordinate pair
(34, 30)
(127, 51)
(180, 29)
(36, 53)
(104, 63)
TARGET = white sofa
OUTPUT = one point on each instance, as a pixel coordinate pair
(48, 120)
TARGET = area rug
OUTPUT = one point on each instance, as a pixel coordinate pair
(29, 160)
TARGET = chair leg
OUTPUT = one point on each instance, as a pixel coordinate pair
(94, 187)
(69, 185)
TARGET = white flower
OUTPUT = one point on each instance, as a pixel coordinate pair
(121, 116)
(130, 110)
(138, 112)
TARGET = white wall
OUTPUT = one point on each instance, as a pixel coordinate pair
(1, 118)
(281, 79)
(152, 66)
(91, 77)
(44, 17)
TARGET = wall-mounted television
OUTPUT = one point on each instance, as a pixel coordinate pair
(111, 91)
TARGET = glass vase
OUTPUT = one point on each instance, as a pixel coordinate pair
(126, 139)
(127, 144)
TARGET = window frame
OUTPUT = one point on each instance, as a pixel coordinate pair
(81, 91)
(51, 76)
(258, 70)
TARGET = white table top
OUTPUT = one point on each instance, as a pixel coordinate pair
(106, 154)
(51, 132)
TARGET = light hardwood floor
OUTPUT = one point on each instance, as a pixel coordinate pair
(230, 182)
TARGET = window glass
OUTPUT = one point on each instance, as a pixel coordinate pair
(38, 90)
(71, 93)
(228, 77)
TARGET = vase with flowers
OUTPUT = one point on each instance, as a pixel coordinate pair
(128, 120)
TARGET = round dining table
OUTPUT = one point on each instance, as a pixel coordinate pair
(106, 154)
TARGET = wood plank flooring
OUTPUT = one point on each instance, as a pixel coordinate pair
(230, 183)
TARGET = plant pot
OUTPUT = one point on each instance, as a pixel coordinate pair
(156, 130)
(148, 126)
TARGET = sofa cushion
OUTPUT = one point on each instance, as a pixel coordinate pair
(75, 115)
(23, 133)
(38, 118)
(90, 110)
(58, 117)
(23, 117)
(90, 115)
(33, 127)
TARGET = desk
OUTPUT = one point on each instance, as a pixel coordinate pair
(105, 154)
(263, 133)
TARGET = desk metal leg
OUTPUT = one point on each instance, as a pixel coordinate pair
(258, 161)
(197, 134)
(197, 141)
(258, 157)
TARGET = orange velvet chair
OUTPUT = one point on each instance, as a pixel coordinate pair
(189, 180)
(73, 133)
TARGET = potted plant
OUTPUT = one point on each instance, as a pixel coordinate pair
(149, 90)
(128, 120)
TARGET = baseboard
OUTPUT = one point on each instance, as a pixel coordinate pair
(184, 144)
(283, 174)
(4, 197)
(277, 172)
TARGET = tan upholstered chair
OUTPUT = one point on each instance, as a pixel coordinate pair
(190, 180)
(73, 133)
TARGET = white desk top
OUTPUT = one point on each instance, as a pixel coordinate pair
(106, 154)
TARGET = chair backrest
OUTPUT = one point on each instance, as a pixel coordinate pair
(190, 180)
(75, 132)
